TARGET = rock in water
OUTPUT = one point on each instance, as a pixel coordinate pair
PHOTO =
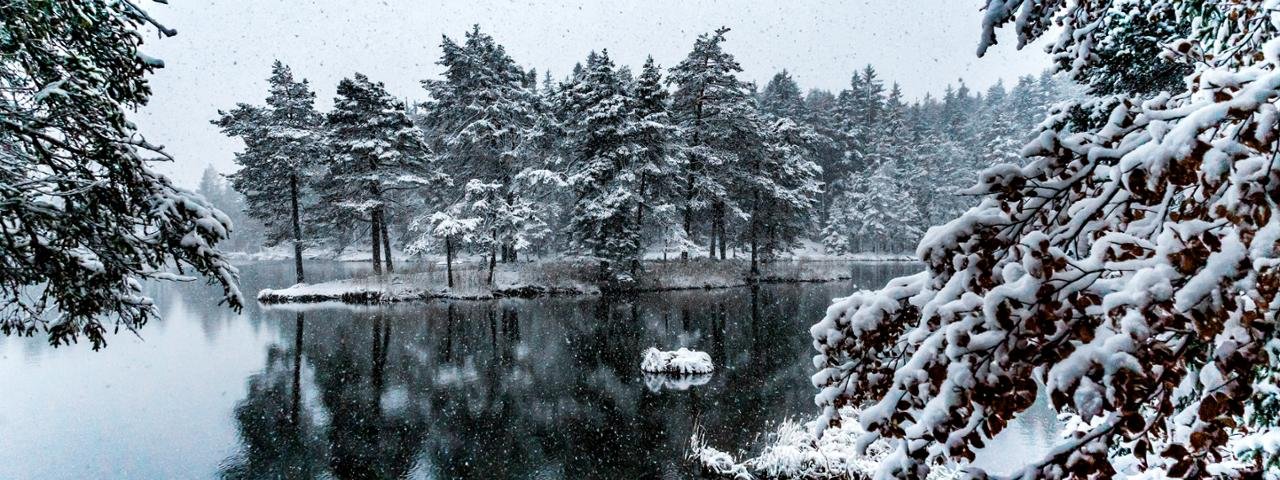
(679, 361)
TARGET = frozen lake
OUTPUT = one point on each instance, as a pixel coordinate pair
(544, 388)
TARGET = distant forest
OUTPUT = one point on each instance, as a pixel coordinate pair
(612, 162)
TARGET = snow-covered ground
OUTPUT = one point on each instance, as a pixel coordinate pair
(401, 287)
(532, 279)
(792, 452)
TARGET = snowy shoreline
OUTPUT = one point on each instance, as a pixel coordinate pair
(539, 279)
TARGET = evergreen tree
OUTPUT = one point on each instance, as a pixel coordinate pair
(282, 141)
(376, 152)
(604, 162)
(480, 118)
(84, 220)
(820, 114)
(712, 107)
(444, 228)
(660, 157)
(782, 98)
(879, 217)
(780, 186)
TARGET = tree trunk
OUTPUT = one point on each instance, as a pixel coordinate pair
(493, 256)
(375, 232)
(386, 240)
(297, 228)
(448, 258)
(755, 210)
(688, 222)
(723, 235)
(711, 250)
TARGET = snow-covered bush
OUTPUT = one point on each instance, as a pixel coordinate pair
(683, 361)
(1129, 265)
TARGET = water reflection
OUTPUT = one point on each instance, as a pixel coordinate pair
(546, 388)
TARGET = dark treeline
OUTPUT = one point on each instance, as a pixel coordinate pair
(610, 163)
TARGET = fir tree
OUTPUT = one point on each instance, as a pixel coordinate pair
(376, 152)
(481, 116)
(711, 106)
(660, 157)
(782, 98)
(604, 162)
(781, 188)
(282, 141)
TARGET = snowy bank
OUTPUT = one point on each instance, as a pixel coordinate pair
(792, 452)
(682, 361)
(534, 279)
(410, 287)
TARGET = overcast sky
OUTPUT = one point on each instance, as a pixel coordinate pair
(224, 48)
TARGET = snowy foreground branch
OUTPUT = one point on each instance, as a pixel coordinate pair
(84, 218)
(1129, 267)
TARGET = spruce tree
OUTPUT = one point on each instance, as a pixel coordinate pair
(661, 157)
(712, 107)
(780, 186)
(481, 118)
(604, 162)
(376, 152)
(782, 98)
(282, 141)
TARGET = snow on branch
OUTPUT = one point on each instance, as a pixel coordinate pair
(1128, 269)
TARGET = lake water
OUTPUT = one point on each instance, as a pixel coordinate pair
(544, 388)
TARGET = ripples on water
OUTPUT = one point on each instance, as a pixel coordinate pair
(545, 388)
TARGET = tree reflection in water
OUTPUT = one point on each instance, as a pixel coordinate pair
(523, 388)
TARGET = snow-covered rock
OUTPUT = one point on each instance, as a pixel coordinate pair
(678, 361)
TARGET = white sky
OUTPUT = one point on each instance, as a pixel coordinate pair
(224, 48)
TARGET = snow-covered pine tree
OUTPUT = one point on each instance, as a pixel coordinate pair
(84, 220)
(858, 110)
(1128, 270)
(603, 164)
(660, 155)
(488, 207)
(1000, 138)
(281, 143)
(781, 98)
(828, 150)
(780, 188)
(880, 218)
(711, 106)
(375, 152)
(481, 119)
